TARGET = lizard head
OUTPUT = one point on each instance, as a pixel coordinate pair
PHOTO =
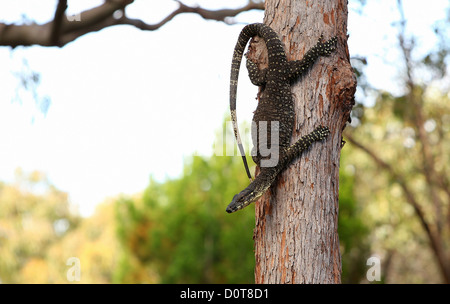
(243, 199)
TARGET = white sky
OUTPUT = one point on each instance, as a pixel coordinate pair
(127, 104)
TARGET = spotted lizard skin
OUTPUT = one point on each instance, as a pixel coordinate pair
(275, 105)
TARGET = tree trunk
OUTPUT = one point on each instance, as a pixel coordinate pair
(296, 238)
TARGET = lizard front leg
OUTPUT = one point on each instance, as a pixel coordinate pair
(300, 67)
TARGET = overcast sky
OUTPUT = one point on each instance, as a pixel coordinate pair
(127, 104)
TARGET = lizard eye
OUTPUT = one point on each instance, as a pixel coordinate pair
(244, 193)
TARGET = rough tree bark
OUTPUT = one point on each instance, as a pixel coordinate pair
(296, 238)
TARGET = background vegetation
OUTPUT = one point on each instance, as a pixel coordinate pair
(394, 201)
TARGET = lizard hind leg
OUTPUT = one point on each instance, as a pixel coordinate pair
(304, 143)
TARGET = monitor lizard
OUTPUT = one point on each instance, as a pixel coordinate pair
(275, 105)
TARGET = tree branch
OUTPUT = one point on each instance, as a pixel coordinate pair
(57, 21)
(61, 31)
(419, 119)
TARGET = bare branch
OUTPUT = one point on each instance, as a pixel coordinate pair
(57, 21)
(61, 31)
(94, 16)
(419, 119)
(218, 15)
(382, 164)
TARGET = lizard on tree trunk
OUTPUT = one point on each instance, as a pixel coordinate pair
(275, 109)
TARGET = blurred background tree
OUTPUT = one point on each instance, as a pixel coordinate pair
(94, 243)
(401, 162)
(34, 216)
(352, 229)
(40, 231)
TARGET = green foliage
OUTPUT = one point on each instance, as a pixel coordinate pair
(353, 231)
(180, 230)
